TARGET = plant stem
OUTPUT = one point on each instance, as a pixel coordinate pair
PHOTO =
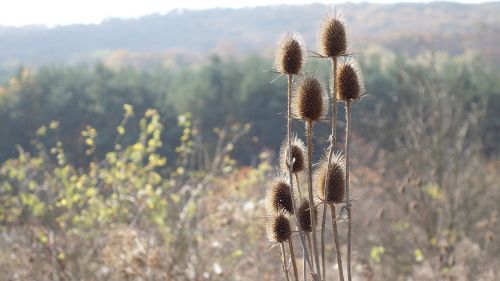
(289, 138)
(349, 225)
(337, 244)
(333, 142)
(298, 184)
(285, 267)
(304, 266)
(308, 236)
(294, 263)
(311, 199)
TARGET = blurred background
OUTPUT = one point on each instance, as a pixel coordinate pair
(137, 138)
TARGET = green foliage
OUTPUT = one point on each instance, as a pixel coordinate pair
(127, 185)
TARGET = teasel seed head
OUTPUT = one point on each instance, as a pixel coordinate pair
(278, 229)
(298, 155)
(349, 81)
(279, 196)
(290, 56)
(309, 101)
(335, 187)
(332, 36)
(304, 216)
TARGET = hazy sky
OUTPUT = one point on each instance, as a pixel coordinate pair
(59, 12)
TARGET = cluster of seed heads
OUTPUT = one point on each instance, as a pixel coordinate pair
(308, 101)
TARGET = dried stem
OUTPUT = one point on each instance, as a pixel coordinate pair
(294, 263)
(337, 244)
(311, 199)
(304, 266)
(349, 225)
(285, 267)
(290, 166)
(298, 184)
(333, 142)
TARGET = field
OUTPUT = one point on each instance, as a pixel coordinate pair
(152, 156)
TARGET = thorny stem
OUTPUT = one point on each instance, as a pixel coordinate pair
(349, 225)
(289, 135)
(311, 200)
(333, 142)
(337, 244)
(294, 263)
(285, 267)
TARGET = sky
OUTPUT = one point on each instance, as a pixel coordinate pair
(63, 12)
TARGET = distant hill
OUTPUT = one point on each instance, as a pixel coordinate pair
(409, 28)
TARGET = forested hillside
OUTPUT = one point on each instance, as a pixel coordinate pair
(407, 28)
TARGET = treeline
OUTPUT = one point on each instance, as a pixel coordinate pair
(222, 92)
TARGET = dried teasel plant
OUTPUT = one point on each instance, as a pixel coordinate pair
(279, 231)
(349, 88)
(350, 85)
(330, 181)
(289, 61)
(279, 197)
(298, 155)
(310, 104)
(290, 54)
(332, 36)
(332, 41)
(304, 213)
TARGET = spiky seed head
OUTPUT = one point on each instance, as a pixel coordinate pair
(335, 187)
(298, 155)
(332, 37)
(279, 229)
(289, 57)
(309, 102)
(304, 216)
(349, 81)
(279, 197)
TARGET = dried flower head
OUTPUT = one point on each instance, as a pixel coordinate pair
(335, 187)
(278, 229)
(289, 57)
(349, 81)
(332, 36)
(304, 216)
(298, 155)
(309, 102)
(279, 197)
